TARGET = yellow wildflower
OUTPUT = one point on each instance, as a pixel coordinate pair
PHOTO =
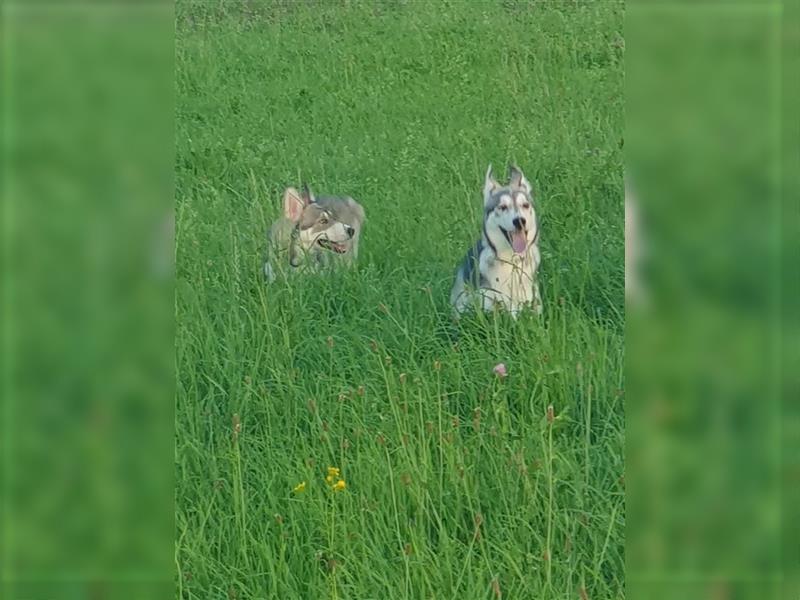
(299, 488)
(337, 484)
(333, 473)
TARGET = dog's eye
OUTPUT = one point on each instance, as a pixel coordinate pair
(323, 220)
(503, 208)
(526, 205)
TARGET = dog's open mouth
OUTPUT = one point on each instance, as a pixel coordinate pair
(517, 239)
(332, 246)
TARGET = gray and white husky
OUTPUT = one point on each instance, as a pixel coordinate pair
(501, 268)
(313, 233)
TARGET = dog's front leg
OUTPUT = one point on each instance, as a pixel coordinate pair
(537, 300)
(269, 272)
(489, 299)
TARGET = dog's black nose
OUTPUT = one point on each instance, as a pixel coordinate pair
(350, 231)
(519, 222)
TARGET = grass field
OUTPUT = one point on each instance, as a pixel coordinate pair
(458, 485)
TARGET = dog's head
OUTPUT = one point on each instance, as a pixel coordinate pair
(509, 214)
(323, 225)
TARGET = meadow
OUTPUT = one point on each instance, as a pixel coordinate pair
(458, 483)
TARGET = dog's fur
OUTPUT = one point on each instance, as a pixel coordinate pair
(501, 269)
(313, 233)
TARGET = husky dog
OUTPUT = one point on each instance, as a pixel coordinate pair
(501, 268)
(313, 233)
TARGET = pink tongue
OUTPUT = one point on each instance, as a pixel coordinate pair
(519, 242)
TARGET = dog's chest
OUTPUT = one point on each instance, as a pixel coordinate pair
(511, 276)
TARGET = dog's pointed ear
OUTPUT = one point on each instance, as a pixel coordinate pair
(308, 195)
(293, 204)
(489, 185)
(518, 180)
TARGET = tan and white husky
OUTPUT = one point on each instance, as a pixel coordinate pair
(313, 233)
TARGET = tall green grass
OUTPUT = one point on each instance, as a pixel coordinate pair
(458, 484)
